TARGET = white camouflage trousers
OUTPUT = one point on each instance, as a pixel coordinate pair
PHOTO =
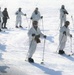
(32, 48)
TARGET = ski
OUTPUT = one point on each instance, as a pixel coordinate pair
(71, 54)
(66, 54)
(42, 63)
(2, 31)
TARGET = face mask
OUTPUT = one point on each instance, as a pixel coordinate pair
(36, 12)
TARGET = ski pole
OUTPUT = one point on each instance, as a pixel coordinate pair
(42, 25)
(27, 19)
(71, 47)
(42, 62)
(29, 25)
(72, 21)
(71, 44)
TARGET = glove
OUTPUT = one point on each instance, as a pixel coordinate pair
(41, 17)
(31, 18)
(24, 14)
(64, 32)
(65, 12)
(33, 34)
(70, 35)
(44, 36)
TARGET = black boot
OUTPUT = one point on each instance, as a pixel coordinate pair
(0, 30)
(30, 60)
(61, 52)
(5, 27)
(2, 26)
(16, 26)
(20, 26)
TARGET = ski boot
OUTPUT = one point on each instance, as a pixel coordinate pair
(16, 26)
(61, 52)
(30, 60)
(21, 27)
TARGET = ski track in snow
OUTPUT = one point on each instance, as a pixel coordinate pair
(14, 42)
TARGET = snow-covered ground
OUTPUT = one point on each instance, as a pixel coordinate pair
(14, 42)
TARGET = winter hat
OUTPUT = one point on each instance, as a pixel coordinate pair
(62, 6)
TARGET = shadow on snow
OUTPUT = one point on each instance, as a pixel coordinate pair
(3, 68)
(2, 47)
(47, 70)
(50, 38)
